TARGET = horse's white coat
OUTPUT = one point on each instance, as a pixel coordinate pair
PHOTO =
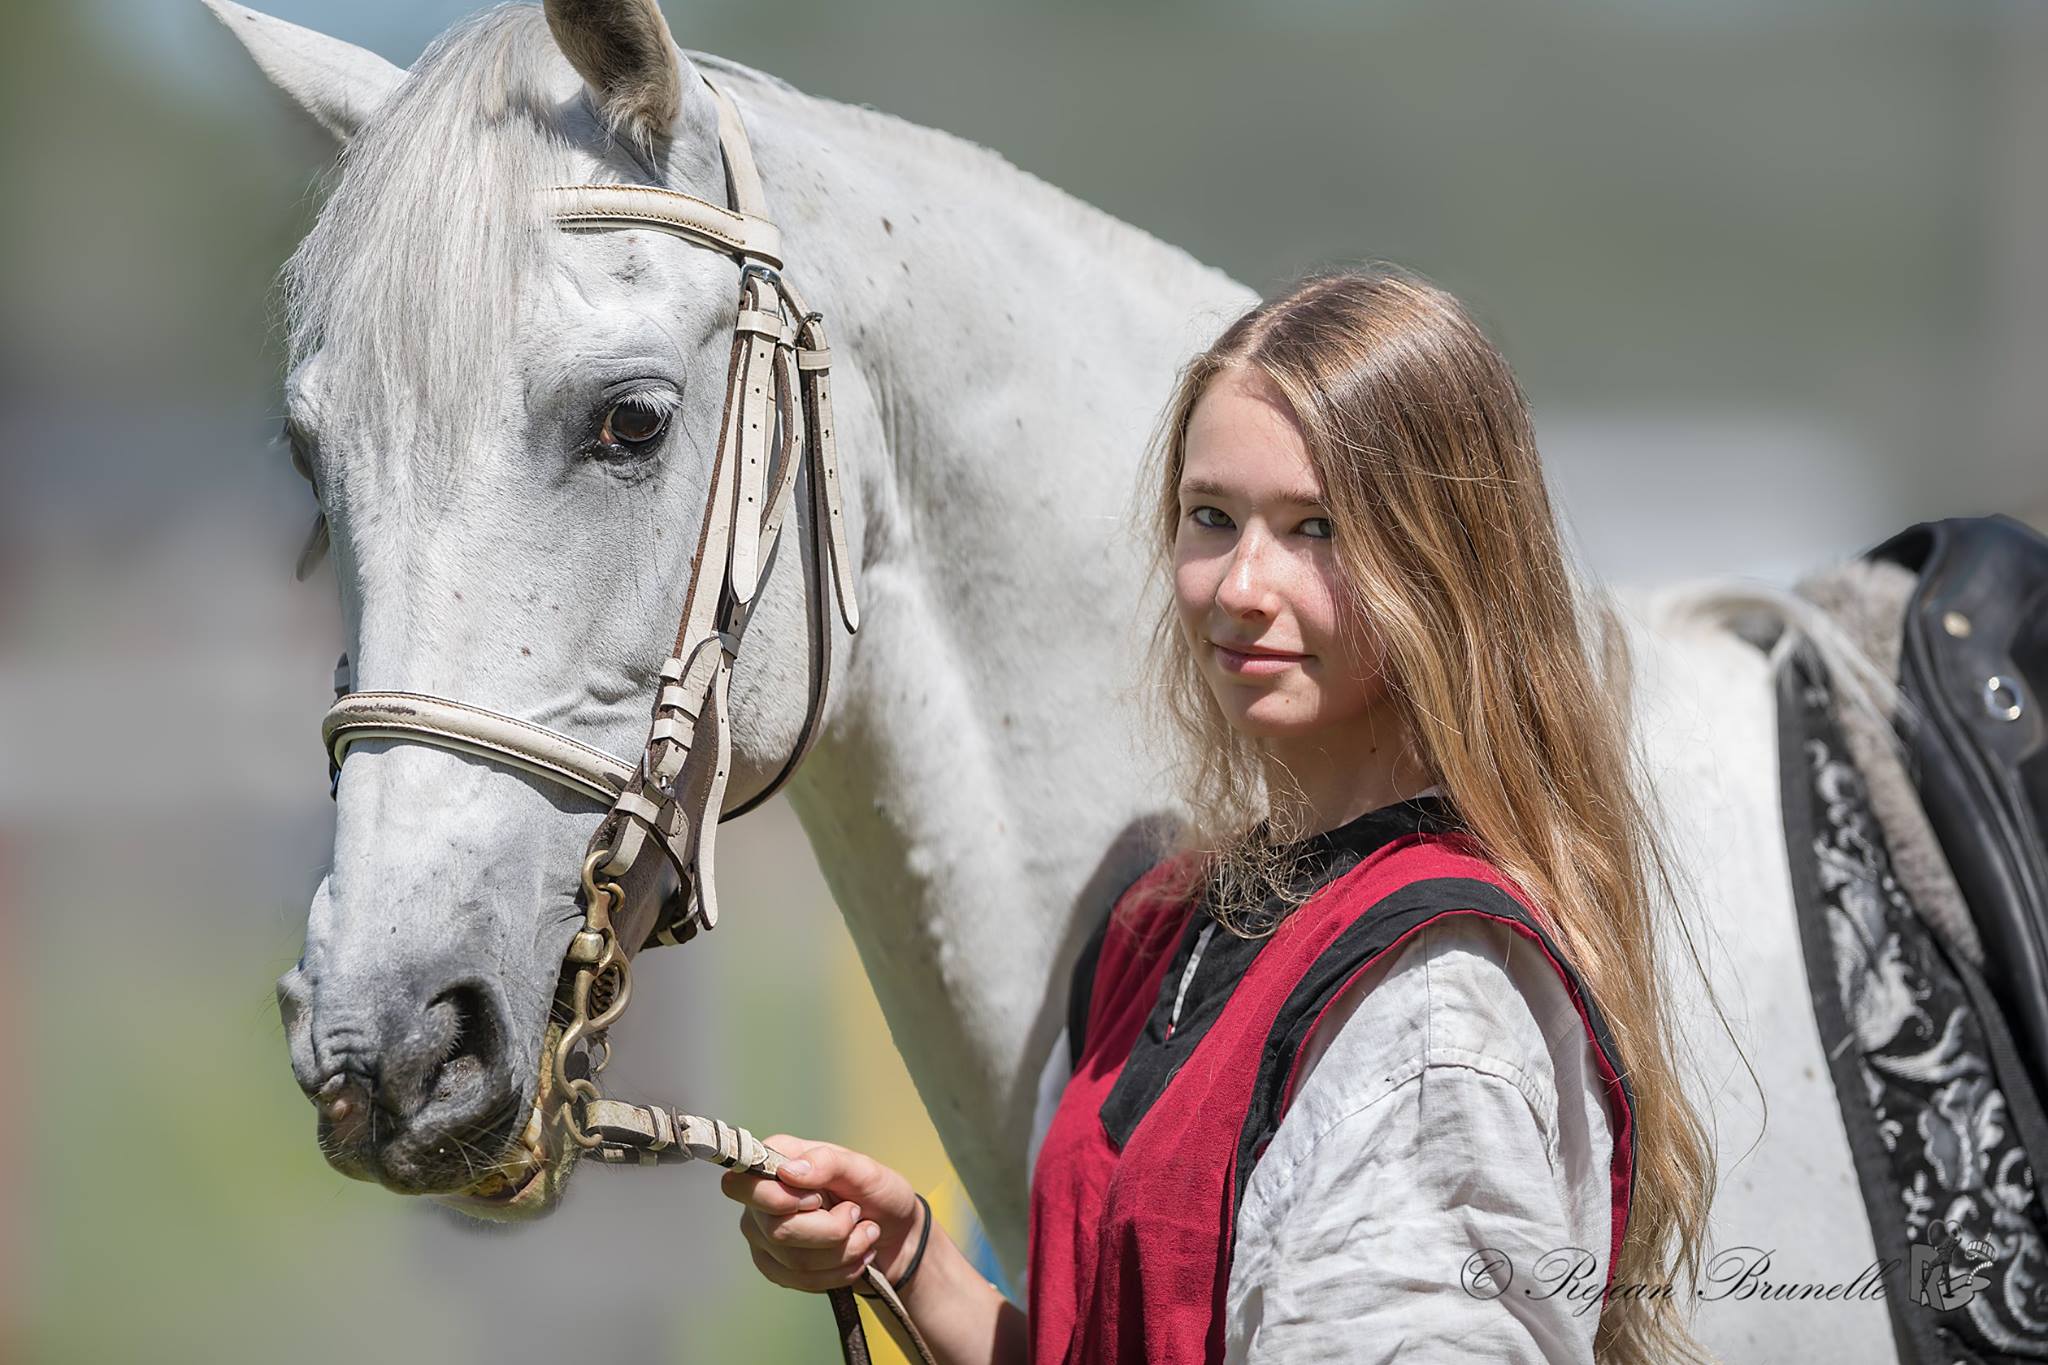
(1001, 352)
(1707, 721)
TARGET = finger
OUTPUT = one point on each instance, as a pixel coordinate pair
(809, 1281)
(768, 1194)
(808, 1260)
(828, 1166)
(820, 1228)
(797, 1153)
(811, 1241)
(787, 1147)
(803, 1159)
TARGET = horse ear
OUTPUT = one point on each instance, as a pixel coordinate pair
(623, 51)
(339, 84)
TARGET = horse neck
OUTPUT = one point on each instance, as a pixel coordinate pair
(1001, 352)
(952, 280)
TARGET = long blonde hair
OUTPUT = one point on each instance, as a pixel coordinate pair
(1449, 548)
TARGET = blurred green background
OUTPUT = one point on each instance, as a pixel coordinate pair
(1775, 277)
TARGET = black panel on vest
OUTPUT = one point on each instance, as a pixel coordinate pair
(1371, 934)
(1323, 858)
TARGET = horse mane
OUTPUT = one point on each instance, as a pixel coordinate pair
(408, 282)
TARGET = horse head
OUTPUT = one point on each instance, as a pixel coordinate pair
(511, 429)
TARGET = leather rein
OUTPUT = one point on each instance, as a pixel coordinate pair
(672, 798)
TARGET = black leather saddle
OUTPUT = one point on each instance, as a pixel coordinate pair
(1974, 661)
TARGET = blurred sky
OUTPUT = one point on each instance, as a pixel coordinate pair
(1775, 276)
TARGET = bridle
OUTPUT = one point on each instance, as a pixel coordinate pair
(775, 335)
(672, 798)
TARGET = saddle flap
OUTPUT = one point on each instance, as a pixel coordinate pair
(1974, 667)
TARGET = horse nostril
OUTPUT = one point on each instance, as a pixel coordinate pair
(418, 1092)
(473, 1041)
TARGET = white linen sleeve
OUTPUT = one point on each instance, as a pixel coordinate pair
(1428, 1132)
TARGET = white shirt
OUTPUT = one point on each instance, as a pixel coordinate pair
(1448, 1102)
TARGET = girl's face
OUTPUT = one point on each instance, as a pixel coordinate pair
(1255, 577)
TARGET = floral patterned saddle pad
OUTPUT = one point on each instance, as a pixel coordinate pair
(1945, 1126)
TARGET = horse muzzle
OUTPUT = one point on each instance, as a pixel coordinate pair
(412, 1086)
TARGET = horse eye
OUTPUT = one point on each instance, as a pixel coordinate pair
(295, 441)
(632, 424)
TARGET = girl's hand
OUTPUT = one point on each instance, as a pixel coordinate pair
(826, 1216)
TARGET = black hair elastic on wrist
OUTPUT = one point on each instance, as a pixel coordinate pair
(924, 1237)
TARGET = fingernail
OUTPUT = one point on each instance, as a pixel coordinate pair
(797, 1167)
(853, 1213)
(868, 1259)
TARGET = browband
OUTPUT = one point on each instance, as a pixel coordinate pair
(699, 220)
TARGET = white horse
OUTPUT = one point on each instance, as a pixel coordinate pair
(978, 790)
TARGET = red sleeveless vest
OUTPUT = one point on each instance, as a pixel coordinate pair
(1130, 1246)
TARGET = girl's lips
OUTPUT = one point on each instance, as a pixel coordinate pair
(1255, 665)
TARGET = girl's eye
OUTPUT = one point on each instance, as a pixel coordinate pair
(632, 423)
(1323, 522)
(1221, 524)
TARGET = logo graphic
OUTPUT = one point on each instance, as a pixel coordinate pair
(1946, 1271)
(1487, 1273)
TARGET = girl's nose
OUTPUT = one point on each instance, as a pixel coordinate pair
(1244, 588)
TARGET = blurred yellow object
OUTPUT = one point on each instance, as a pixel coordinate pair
(884, 1116)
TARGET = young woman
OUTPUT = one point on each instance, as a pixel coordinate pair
(1375, 1062)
